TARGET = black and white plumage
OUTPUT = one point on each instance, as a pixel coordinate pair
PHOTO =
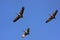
(20, 15)
(26, 33)
(52, 16)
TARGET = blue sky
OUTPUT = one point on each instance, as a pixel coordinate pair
(35, 14)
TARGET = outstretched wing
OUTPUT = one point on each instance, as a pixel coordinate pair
(28, 30)
(16, 18)
(54, 14)
(22, 10)
(49, 19)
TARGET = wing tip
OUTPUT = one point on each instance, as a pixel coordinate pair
(14, 21)
(23, 7)
(46, 22)
(56, 10)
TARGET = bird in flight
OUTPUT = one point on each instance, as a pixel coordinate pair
(20, 15)
(52, 16)
(26, 33)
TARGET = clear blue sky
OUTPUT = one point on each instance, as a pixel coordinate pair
(35, 14)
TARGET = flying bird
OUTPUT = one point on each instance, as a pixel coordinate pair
(26, 33)
(20, 15)
(52, 16)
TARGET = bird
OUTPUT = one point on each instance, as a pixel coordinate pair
(52, 16)
(20, 15)
(26, 33)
